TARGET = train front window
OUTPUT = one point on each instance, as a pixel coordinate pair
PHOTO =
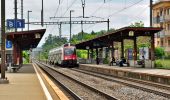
(69, 51)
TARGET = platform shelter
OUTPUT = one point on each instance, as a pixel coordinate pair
(24, 40)
(108, 39)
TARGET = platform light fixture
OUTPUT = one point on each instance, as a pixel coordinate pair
(37, 35)
(131, 33)
(87, 47)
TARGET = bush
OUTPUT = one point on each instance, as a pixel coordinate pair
(158, 64)
(105, 61)
(167, 56)
(159, 52)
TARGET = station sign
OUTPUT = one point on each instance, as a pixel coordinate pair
(12, 23)
(8, 44)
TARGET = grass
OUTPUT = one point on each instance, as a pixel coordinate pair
(165, 64)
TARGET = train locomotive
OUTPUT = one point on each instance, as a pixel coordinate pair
(64, 55)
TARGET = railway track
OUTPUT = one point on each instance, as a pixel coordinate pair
(119, 88)
(159, 89)
(77, 89)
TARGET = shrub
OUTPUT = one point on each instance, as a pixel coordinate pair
(159, 52)
(105, 61)
(158, 64)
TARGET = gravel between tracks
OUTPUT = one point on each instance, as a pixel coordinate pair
(83, 92)
(112, 88)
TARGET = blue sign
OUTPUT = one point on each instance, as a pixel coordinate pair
(12, 23)
(130, 54)
(8, 44)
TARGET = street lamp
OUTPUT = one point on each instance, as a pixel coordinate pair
(70, 24)
(28, 19)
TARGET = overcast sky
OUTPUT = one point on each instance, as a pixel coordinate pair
(120, 12)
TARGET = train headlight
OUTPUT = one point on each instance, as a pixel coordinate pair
(65, 58)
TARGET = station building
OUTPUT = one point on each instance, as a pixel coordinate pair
(161, 18)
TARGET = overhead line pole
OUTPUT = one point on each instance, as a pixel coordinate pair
(22, 11)
(70, 25)
(108, 26)
(3, 79)
(42, 14)
(15, 12)
(82, 30)
(59, 26)
(151, 1)
(83, 6)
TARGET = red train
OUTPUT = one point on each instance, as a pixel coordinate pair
(64, 55)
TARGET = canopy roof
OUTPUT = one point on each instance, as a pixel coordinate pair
(117, 36)
(26, 39)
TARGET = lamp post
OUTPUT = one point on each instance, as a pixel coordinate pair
(28, 18)
(70, 24)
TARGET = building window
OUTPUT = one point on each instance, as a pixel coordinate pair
(162, 42)
(168, 42)
(168, 11)
(157, 42)
(168, 28)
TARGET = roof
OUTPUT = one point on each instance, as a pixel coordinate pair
(26, 39)
(160, 2)
(117, 36)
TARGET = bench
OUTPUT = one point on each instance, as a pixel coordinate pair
(15, 67)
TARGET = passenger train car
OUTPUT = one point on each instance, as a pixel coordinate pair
(64, 55)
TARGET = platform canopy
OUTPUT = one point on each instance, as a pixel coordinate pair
(26, 39)
(117, 36)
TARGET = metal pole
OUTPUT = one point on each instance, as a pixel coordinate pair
(42, 14)
(3, 39)
(83, 6)
(83, 11)
(60, 30)
(82, 30)
(108, 21)
(22, 11)
(70, 25)
(28, 19)
(15, 12)
(151, 13)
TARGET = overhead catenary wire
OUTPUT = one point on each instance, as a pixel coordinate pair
(125, 8)
(119, 11)
(137, 15)
(58, 8)
(64, 13)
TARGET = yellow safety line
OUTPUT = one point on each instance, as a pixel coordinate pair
(59, 93)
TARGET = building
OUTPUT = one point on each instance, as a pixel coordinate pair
(161, 18)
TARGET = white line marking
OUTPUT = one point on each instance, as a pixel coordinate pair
(48, 96)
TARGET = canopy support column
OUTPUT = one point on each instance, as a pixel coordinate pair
(97, 56)
(135, 50)
(122, 48)
(152, 50)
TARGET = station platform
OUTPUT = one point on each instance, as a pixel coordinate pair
(149, 74)
(25, 84)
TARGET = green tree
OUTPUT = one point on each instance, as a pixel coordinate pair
(137, 24)
(25, 55)
(51, 42)
(159, 52)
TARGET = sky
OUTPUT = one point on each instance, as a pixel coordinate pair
(121, 13)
